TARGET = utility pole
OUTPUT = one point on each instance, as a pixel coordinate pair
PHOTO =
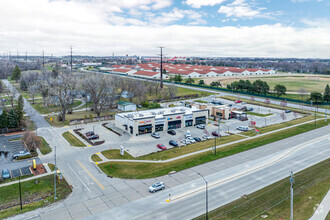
(71, 57)
(55, 174)
(20, 192)
(291, 191)
(17, 55)
(43, 59)
(26, 56)
(265, 122)
(161, 67)
(325, 116)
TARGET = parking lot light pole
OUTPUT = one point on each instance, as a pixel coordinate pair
(207, 199)
(93, 128)
(55, 169)
(20, 193)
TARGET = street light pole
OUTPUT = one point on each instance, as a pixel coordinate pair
(55, 197)
(20, 193)
(93, 128)
(207, 199)
(291, 191)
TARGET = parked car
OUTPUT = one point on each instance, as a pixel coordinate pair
(201, 126)
(242, 128)
(215, 133)
(192, 140)
(230, 105)
(171, 132)
(5, 174)
(156, 187)
(173, 143)
(89, 133)
(188, 134)
(21, 154)
(287, 111)
(238, 101)
(161, 146)
(93, 137)
(206, 137)
(249, 109)
(155, 135)
(185, 142)
(197, 139)
(217, 103)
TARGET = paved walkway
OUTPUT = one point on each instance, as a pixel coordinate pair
(323, 209)
(205, 150)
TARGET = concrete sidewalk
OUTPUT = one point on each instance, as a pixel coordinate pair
(27, 179)
(323, 209)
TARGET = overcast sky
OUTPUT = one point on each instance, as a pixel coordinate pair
(238, 28)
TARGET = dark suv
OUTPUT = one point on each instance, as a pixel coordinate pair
(171, 132)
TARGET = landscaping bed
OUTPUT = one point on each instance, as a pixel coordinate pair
(73, 140)
(95, 143)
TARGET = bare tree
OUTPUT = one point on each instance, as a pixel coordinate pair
(31, 140)
(302, 91)
(172, 91)
(98, 87)
(33, 90)
(62, 89)
(12, 93)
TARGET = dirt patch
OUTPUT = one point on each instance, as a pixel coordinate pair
(40, 169)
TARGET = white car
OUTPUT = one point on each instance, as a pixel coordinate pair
(188, 134)
(205, 137)
(201, 126)
(191, 140)
(242, 128)
(156, 187)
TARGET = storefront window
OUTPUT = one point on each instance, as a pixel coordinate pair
(189, 123)
(174, 124)
(159, 127)
(200, 120)
(145, 129)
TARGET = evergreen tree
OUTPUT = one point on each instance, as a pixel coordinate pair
(12, 119)
(19, 110)
(201, 82)
(316, 97)
(190, 81)
(280, 90)
(4, 119)
(16, 74)
(326, 95)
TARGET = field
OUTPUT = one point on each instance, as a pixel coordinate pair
(292, 83)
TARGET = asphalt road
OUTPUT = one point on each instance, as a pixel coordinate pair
(188, 200)
(29, 110)
(94, 193)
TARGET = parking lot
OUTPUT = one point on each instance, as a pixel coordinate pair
(8, 147)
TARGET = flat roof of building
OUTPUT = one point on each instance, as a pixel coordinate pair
(125, 103)
(159, 113)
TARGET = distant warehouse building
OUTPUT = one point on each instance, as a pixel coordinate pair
(149, 121)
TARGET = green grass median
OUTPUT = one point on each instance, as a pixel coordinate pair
(134, 170)
(35, 194)
(73, 140)
(45, 148)
(310, 186)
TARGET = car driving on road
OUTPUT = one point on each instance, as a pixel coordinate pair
(156, 187)
(215, 133)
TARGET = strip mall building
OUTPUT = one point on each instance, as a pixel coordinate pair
(149, 121)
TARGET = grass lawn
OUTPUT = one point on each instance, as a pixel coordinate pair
(257, 114)
(51, 166)
(186, 91)
(96, 158)
(310, 186)
(35, 194)
(131, 170)
(45, 148)
(73, 140)
(16, 178)
(40, 108)
(115, 154)
(74, 115)
(200, 101)
(15, 139)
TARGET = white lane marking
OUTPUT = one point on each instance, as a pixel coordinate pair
(79, 178)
